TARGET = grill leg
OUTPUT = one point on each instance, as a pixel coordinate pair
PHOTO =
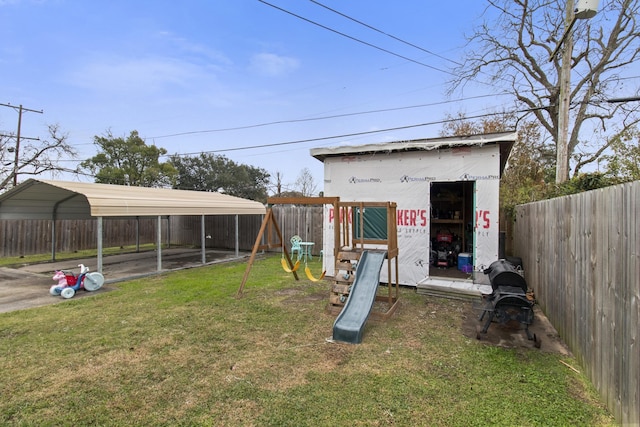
(528, 332)
(488, 322)
(488, 306)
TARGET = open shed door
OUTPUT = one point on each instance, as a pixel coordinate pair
(451, 230)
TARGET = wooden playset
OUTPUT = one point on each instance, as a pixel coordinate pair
(357, 227)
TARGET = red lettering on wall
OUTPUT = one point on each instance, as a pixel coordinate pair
(332, 215)
(406, 217)
(412, 217)
(482, 219)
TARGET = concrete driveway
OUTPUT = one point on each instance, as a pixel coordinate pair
(28, 286)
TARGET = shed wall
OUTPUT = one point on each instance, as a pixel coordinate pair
(406, 178)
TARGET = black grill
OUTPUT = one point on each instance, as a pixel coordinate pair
(510, 299)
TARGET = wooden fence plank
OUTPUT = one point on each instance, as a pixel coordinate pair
(27, 237)
(582, 258)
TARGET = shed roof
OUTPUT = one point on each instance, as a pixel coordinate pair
(46, 199)
(505, 140)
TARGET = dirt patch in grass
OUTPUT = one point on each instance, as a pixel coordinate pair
(512, 334)
(300, 297)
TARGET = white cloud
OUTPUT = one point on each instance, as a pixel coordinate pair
(273, 65)
(147, 75)
(195, 50)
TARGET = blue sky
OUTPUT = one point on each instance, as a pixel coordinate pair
(180, 73)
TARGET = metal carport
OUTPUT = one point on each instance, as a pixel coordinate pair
(48, 199)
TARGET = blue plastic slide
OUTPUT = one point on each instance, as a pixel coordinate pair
(350, 322)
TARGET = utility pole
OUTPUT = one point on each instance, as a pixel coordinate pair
(586, 9)
(562, 140)
(16, 161)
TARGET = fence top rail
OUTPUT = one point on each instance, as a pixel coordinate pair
(368, 204)
(303, 200)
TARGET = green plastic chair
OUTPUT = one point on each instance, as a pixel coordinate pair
(295, 246)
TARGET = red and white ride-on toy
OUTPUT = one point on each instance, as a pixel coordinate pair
(68, 283)
(446, 250)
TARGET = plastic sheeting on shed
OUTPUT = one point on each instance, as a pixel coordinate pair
(403, 172)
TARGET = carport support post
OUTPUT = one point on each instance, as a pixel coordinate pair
(159, 242)
(99, 266)
(168, 231)
(137, 234)
(53, 238)
(237, 238)
(202, 240)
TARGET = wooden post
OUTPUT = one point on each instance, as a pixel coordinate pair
(270, 221)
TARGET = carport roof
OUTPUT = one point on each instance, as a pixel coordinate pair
(46, 199)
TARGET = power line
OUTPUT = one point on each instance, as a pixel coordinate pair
(622, 100)
(321, 118)
(384, 33)
(374, 46)
(348, 135)
(354, 38)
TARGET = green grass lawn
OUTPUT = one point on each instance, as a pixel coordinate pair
(181, 349)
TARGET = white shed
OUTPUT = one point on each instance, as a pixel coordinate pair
(442, 186)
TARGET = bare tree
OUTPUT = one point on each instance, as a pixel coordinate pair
(275, 185)
(305, 184)
(460, 125)
(35, 157)
(528, 166)
(513, 48)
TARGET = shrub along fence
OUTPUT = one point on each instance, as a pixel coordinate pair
(29, 237)
(581, 255)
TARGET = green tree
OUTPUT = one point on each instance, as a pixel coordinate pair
(215, 173)
(580, 183)
(248, 182)
(529, 170)
(623, 164)
(129, 161)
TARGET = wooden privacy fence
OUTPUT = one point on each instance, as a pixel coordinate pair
(220, 231)
(29, 237)
(304, 221)
(581, 255)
